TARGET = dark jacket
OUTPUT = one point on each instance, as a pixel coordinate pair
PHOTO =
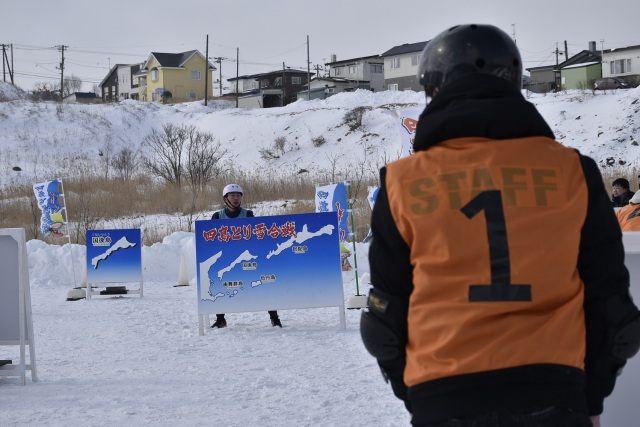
(622, 199)
(230, 214)
(488, 107)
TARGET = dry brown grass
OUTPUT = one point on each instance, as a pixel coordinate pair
(91, 201)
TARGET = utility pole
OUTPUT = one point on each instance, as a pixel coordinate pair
(284, 80)
(219, 59)
(4, 55)
(61, 48)
(206, 73)
(237, 74)
(556, 72)
(5, 63)
(308, 72)
(557, 53)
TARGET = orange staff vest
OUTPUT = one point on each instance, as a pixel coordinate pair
(494, 231)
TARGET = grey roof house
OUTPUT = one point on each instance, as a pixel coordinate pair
(401, 66)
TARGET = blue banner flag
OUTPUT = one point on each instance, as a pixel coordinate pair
(53, 222)
(333, 198)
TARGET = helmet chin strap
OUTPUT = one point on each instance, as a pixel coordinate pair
(229, 205)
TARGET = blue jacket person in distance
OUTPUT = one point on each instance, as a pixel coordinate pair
(232, 197)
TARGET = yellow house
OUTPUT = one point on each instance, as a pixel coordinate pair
(175, 77)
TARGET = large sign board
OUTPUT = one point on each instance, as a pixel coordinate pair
(10, 289)
(268, 263)
(16, 327)
(114, 256)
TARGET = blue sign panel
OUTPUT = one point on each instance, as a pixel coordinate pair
(268, 263)
(114, 256)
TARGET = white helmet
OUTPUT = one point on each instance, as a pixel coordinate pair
(231, 188)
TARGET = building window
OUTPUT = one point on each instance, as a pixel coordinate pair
(278, 82)
(620, 66)
(191, 95)
(264, 83)
(195, 75)
(353, 69)
(339, 71)
(393, 86)
(415, 59)
(395, 63)
(296, 80)
(154, 75)
(376, 68)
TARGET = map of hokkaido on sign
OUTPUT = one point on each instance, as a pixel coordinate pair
(268, 263)
(114, 255)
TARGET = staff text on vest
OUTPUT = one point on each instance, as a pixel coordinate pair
(520, 187)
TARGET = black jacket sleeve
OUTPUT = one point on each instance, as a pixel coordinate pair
(607, 303)
(391, 272)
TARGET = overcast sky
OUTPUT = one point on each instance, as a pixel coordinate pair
(99, 34)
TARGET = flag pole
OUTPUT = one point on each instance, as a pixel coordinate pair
(66, 223)
(353, 234)
(358, 301)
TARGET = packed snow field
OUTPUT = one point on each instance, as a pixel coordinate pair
(131, 361)
(126, 360)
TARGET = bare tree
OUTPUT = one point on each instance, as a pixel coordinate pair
(167, 145)
(203, 159)
(44, 91)
(353, 118)
(105, 154)
(204, 155)
(71, 84)
(85, 207)
(36, 214)
(124, 163)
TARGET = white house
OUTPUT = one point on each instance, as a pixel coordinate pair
(622, 62)
(128, 81)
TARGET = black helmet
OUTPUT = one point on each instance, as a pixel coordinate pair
(464, 50)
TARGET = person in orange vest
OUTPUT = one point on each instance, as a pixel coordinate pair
(499, 293)
(629, 215)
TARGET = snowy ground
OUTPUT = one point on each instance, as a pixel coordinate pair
(135, 361)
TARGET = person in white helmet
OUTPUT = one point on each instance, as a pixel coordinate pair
(232, 197)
